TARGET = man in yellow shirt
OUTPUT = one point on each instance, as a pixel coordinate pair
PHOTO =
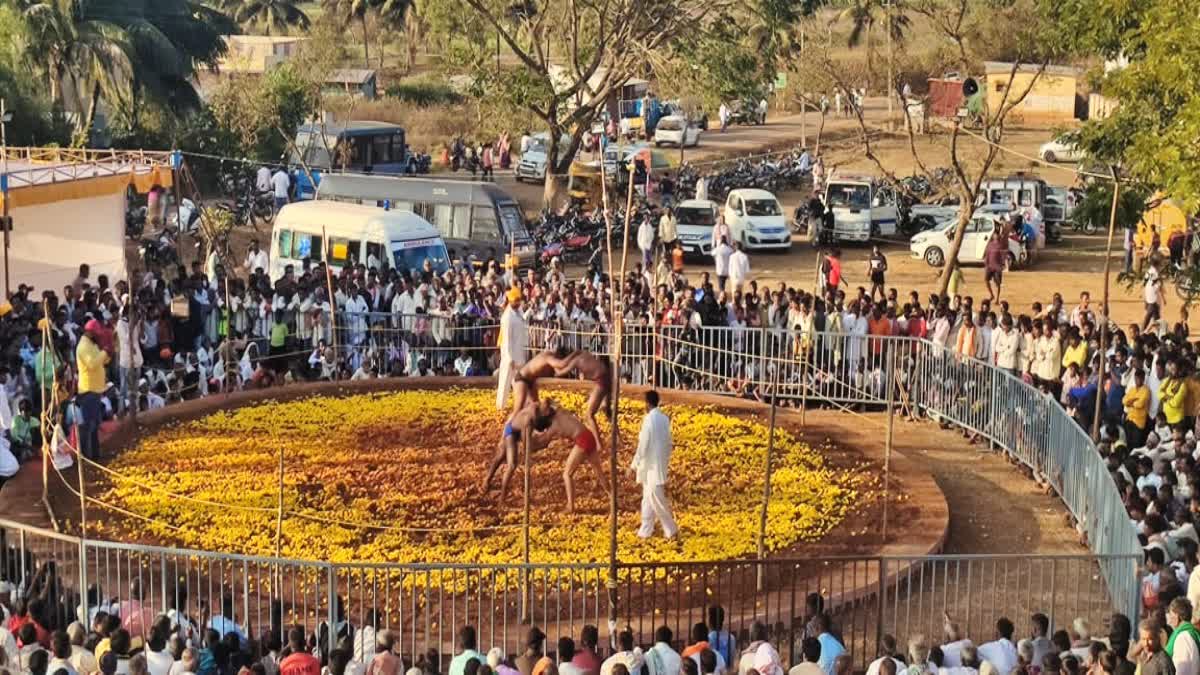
(1172, 394)
(90, 361)
(1137, 410)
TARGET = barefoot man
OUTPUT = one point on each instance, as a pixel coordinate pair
(545, 364)
(598, 370)
(565, 425)
(529, 419)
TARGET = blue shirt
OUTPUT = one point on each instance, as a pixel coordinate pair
(723, 643)
(830, 650)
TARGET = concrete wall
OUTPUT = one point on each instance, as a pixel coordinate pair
(49, 241)
(1051, 100)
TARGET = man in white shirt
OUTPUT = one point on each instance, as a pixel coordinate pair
(1184, 644)
(256, 259)
(661, 659)
(467, 643)
(262, 180)
(645, 242)
(888, 647)
(739, 266)
(1006, 343)
(1001, 652)
(281, 183)
(514, 346)
(566, 652)
(650, 467)
(721, 254)
(60, 646)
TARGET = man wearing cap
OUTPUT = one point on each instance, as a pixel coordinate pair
(513, 342)
(90, 360)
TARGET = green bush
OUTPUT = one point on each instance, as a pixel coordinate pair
(423, 93)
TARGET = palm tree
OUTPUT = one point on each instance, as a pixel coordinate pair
(354, 10)
(123, 50)
(270, 15)
(863, 19)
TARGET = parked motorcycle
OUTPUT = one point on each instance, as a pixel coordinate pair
(159, 252)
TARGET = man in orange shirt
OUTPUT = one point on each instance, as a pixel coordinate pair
(878, 327)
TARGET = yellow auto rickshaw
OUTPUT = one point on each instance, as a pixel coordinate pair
(584, 184)
(1162, 217)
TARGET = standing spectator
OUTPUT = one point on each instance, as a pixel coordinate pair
(668, 230)
(739, 267)
(282, 184)
(1136, 403)
(721, 254)
(566, 653)
(487, 162)
(645, 241)
(831, 647)
(1152, 295)
(1152, 660)
(876, 267)
(1184, 644)
(386, 661)
(586, 658)
(530, 661)
(650, 468)
(1001, 652)
(467, 644)
(723, 114)
(811, 651)
(129, 357)
(721, 640)
(91, 361)
(299, 661)
(662, 659)
(995, 258)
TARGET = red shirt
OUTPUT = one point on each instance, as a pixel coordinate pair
(835, 272)
(587, 661)
(300, 663)
(43, 635)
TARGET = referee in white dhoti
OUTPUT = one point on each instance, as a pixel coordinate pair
(513, 342)
(650, 467)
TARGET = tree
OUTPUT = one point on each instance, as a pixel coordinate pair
(572, 56)
(1152, 132)
(862, 17)
(126, 51)
(1041, 43)
(350, 11)
(269, 15)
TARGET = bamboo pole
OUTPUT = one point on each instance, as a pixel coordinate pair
(279, 515)
(766, 500)
(887, 446)
(525, 581)
(333, 340)
(1112, 225)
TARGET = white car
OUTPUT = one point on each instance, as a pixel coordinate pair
(676, 130)
(756, 219)
(1058, 151)
(932, 245)
(695, 219)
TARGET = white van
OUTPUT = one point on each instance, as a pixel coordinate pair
(862, 206)
(756, 219)
(695, 219)
(348, 234)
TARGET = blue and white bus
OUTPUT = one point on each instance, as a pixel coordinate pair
(353, 147)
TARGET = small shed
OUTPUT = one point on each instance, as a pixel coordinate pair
(1051, 99)
(353, 81)
(945, 96)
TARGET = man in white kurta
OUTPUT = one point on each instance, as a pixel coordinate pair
(514, 346)
(650, 466)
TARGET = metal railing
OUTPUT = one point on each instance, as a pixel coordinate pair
(841, 368)
(867, 596)
(425, 604)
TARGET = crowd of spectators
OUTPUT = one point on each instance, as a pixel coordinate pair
(46, 630)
